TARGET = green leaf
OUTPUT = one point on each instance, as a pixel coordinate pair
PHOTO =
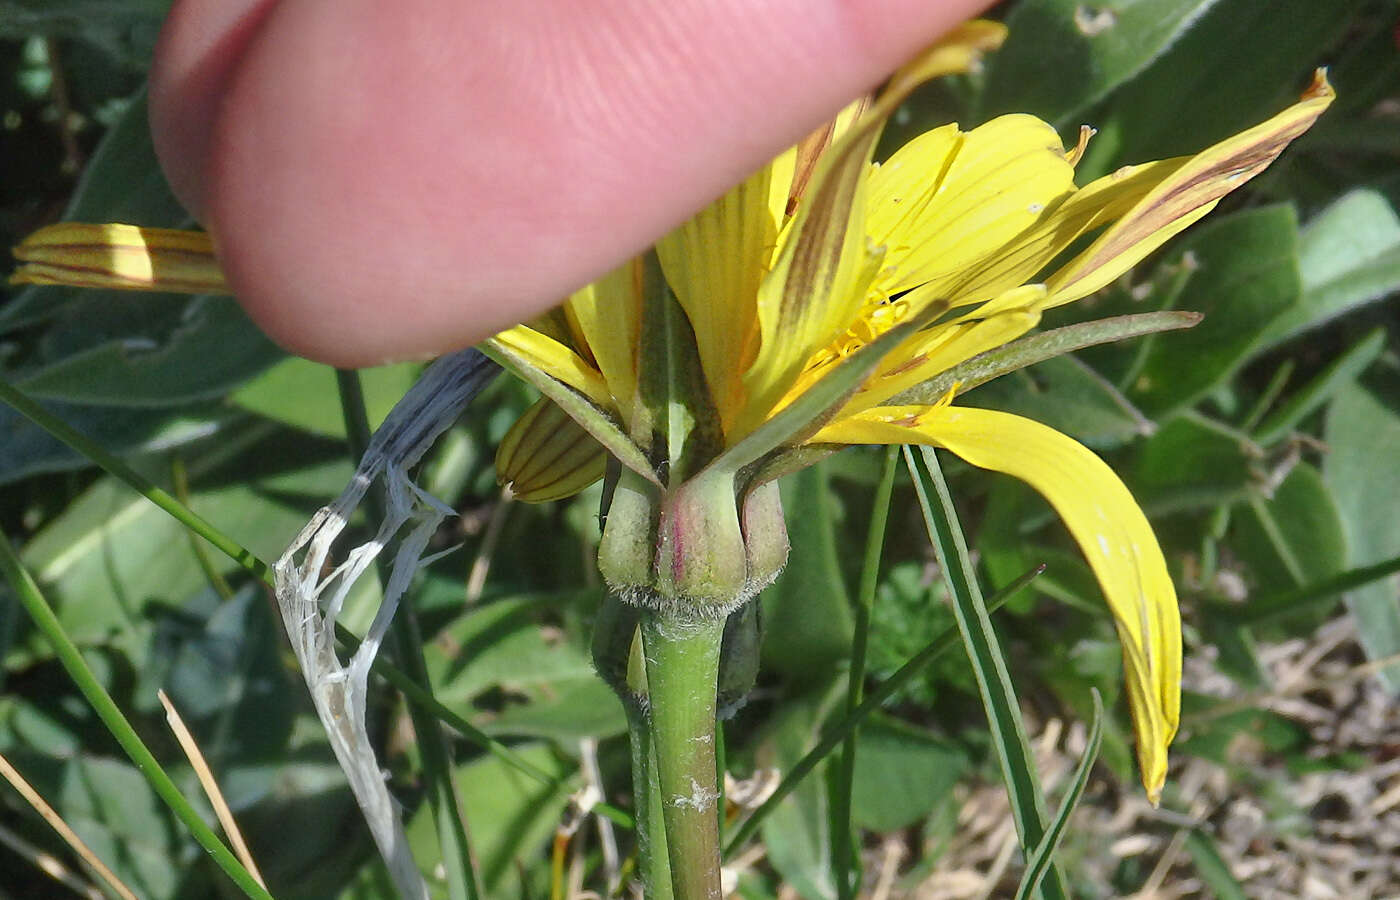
(902, 773)
(116, 813)
(1292, 538)
(1240, 62)
(550, 685)
(1038, 863)
(797, 833)
(1342, 371)
(807, 620)
(1064, 55)
(1192, 463)
(988, 660)
(1366, 487)
(1211, 866)
(112, 555)
(1349, 255)
(512, 817)
(1246, 276)
(212, 348)
(303, 394)
(30, 450)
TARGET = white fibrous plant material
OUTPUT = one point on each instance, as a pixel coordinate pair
(311, 587)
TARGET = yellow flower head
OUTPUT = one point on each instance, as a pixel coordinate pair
(813, 296)
(901, 271)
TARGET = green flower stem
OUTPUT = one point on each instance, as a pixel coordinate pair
(651, 826)
(408, 649)
(844, 856)
(682, 665)
(111, 716)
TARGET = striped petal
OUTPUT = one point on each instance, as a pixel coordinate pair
(1192, 188)
(607, 315)
(548, 456)
(545, 354)
(125, 257)
(715, 262)
(1104, 520)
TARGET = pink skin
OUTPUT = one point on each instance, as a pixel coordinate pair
(396, 180)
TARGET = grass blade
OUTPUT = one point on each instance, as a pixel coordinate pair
(1039, 862)
(111, 716)
(1211, 866)
(873, 701)
(1289, 602)
(843, 856)
(988, 661)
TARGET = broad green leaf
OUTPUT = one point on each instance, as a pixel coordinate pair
(807, 621)
(115, 811)
(1366, 487)
(902, 773)
(511, 818)
(112, 555)
(1292, 538)
(1348, 255)
(1191, 463)
(301, 393)
(1239, 62)
(1063, 55)
(1341, 372)
(550, 685)
(29, 450)
(1246, 276)
(212, 348)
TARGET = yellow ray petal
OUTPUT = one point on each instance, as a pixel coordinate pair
(825, 262)
(607, 314)
(1104, 520)
(1187, 194)
(946, 203)
(957, 51)
(120, 256)
(548, 456)
(818, 282)
(714, 263)
(936, 350)
(557, 361)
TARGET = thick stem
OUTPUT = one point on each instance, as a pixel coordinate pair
(682, 663)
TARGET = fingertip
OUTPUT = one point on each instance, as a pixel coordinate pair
(199, 48)
(393, 182)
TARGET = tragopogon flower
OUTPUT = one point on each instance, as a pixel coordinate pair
(801, 312)
(825, 265)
